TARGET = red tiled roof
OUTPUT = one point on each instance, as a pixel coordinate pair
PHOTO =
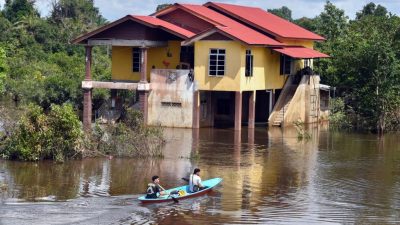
(266, 21)
(164, 24)
(300, 52)
(231, 27)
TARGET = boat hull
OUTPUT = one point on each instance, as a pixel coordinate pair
(166, 198)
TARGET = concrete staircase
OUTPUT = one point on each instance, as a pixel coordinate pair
(281, 113)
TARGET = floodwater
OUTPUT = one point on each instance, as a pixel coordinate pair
(269, 177)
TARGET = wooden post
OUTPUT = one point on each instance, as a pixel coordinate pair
(196, 110)
(87, 93)
(238, 111)
(252, 110)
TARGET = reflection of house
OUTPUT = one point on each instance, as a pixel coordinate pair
(209, 65)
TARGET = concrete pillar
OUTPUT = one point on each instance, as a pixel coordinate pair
(252, 109)
(143, 65)
(196, 110)
(238, 111)
(143, 94)
(87, 93)
(87, 109)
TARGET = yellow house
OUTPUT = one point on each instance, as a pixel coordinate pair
(210, 65)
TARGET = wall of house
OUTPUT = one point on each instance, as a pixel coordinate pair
(121, 68)
(265, 70)
(297, 42)
(233, 66)
(170, 101)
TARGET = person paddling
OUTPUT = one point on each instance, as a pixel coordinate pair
(195, 181)
(154, 189)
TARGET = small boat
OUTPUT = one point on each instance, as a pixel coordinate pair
(167, 197)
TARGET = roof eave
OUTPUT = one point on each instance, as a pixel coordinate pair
(124, 19)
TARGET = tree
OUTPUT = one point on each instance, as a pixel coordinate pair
(14, 10)
(366, 62)
(283, 12)
(3, 70)
(307, 23)
(371, 9)
(78, 10)
(332, 22)
(162, 6)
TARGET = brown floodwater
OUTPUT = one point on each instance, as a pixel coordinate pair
(269, 177)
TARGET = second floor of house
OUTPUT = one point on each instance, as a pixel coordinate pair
(228, 47)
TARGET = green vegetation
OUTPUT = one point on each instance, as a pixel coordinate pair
(38, 135)
(365, 65)
(42, 71)
(127, 138)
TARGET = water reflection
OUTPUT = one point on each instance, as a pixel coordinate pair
(270, 176)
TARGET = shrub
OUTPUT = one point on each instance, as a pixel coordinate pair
(127, 138)
(56, 135)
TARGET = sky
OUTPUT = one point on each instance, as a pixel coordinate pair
(115, 9)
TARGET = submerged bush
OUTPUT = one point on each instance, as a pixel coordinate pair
(127, 138)
(54, 135)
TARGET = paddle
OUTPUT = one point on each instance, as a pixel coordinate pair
(173, 198)
(185, 179)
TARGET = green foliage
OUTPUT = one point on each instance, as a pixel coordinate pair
(14, 10)
(283, 12)
(77, 10)
(55, 135)
(307, 23)
(162, 6)
(332, 22)
(3, 71)
(128, 138)
(371, 9)
(338, 118)
(302, 133)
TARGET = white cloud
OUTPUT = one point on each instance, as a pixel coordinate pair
(114, 9)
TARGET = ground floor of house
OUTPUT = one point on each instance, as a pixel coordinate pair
(173, 100)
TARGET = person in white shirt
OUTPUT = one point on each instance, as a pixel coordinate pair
(195, 181)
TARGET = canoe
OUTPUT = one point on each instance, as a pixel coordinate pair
(166, 198)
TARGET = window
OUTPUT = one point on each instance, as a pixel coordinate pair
(286, 64)
(249, 64)
(307, 63)
(217, 62)
(136, 59)
(171, 104)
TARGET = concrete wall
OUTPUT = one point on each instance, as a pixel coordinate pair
(121, 68)
(171, 98)
(300, 108)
